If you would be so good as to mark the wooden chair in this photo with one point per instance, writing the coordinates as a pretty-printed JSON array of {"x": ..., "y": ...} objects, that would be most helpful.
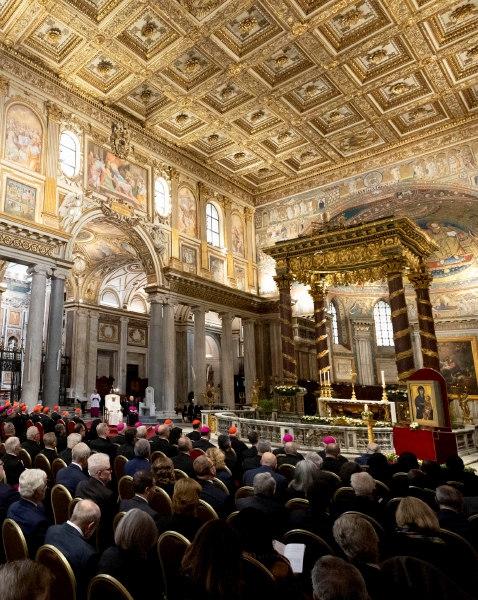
[
  {"x": 105, "y": 586},
  {"x": 71, "y": 506},
  {"x": 25, "y": 458},
  {"x": 14, "y": 542},
  {"x": 42, "y": 462},
  {"x": 227, "y": 468},
  {"x": 60, "y": 422},
  {"x": 117, "y": 519},
  {"x": 458, "y": 546},
  {"x": 456, "y": 484},
  {"x": 334, "y": 475},
  {"x": 382, "y": 489},
  {"x": 400, "y": 474},
  {"x": 315, "y": 546},
  {"x": 57, "y": 465},
  {"x": 258, "y": 581},
  {"x": 171, "y": 549},
  {"x": 125, "y": 488},
  {"x": 473, "y": 518},
  {"x": 231, "y": 517},
  {"x": 220, "y": 485},
  {"x": 375, "y": 524},
  {"x": 157, "y": 454},
  {"x": 205, "y": 512},
  {"x": 2, "y": 431},
  {"x": 287, "y": 471},
  {"x": 119, "y": 465},
  {"x": 161, "y": 502},
  {"x": 344, "y": 493},
  {"x": 180, "y": 474},
  {"x": 297, "y": 504},
  {"x": 60, "y": 502},
  {"x": 63, "y": 583},
  {"x": 71, "y": 426},
  {"x": 29, "y": 423},
  {"x": 195, "y": 452},
  {"x": 39, "y": 426},
  {"x": 244, "y": 492}
]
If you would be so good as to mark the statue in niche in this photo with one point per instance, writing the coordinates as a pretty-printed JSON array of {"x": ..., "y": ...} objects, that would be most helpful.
[{"x": 72, "y": 208}]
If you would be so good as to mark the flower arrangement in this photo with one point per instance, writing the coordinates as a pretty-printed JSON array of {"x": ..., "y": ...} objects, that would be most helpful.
[
  {"x": 289, "y": 390},
  {"x": 391, "y": 457},
  {"x": 347, "y": 421},
  {"x": 367, "y": 415},
  {"x": 414, "y": 426}
]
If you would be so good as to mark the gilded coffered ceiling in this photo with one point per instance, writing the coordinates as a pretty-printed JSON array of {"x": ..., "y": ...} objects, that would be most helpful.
[{"x": 268, "y": 93}]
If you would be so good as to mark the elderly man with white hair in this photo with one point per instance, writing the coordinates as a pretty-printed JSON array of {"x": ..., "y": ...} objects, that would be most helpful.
[
  {"x": 372, "y": 448},
  {"x": 12, "y": 466},
  {"x": 268, "y": 465},
  {"x": 33, "y": 445},
  {"x": 264, "y": 499},
  {"x": 95, "y": 489},
  {"x": 28, "y": 513},
  {"x": 364, "y": 499},
  {"x": 71, "y": 441},
  {"x": 141, "y": 432},
  {"x": 75, "y": 471}
]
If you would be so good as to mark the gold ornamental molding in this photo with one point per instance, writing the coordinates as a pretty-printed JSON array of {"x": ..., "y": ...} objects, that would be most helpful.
[
  {"x": 35, "y": 238},
  {"x": 341, "y": 255}
]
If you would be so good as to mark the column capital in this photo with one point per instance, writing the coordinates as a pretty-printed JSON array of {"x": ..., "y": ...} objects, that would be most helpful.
[
  {"x": 174, "y": 174},
  {"x": 39, "y": 269},
  {"x": 54, "y": 112},
  {"x": 318, "y": 290},
  {"x": 60, "y": 274},
  {"x": 284, "y": 281},
  {"x": 249, "y": 321},
  {"x": 197, "y": 310},
  {"x": 226, "y": 317},
  {"x": 395, "y": 264},
  {"x": 248, "y": 213},
  {"x": 96, "y": 315},
  {"x": 420, "y": 278},
  {"x": 4, "y": 86},
  {"x": 155, "y": 298},
  {"x": 124, "y": 320},
  {"x": 82, "y": 312},
  {"x": 227, "y": 203}
]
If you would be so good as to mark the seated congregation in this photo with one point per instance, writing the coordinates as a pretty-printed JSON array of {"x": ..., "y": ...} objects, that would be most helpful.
[{"x": 176, "y": 515}]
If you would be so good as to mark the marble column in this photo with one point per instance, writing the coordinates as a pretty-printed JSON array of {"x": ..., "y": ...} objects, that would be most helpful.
[
  {"x": 421, "y": 280},
  {"x": 318, "y": 291},
  {"x": 249, "y": 357},
  {"x": 227, "y": 360},
  {"x": 401, "y": 328},
  {"x": 259, "y": 340},
  {"x": 289, "y": 362},
  {"x": 363, "y": 344},
  {"x": 184, "y": 360},
  {"x": 199, "y": 359},
  {"x": 79, "y": 358},
  {"x": 276, "y": 350},
  {"x": 34, "y": 335},
  {"x": 250, "y": 242},
  {"x": 154, "y": 346},
  {"x": 123, "y": 355},
  {"x": 52, "y": 372},
  {"x": 92, "y": 352},
  {"x": 168, "y": 347}
]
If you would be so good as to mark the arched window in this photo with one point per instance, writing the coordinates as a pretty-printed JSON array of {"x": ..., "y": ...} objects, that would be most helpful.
[
  {"x": 69, "y": 154},
  {"x": 212, "y": 225},
  {"x": 335, "y": 326},
  {"x": 161, "y": 196},
  {"x": 383, "y": 324}
]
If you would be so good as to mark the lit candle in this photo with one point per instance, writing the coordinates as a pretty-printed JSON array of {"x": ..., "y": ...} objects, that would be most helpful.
[
  {"x": 383, "y": 378},
  {"x": 393, "y": 412},
  {"x": 365, "y": 408}
]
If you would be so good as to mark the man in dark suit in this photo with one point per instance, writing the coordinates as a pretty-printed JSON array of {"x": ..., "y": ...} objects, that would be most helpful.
[
  {"x": 95, "y": 489},
  {"x": 416, "y": 482},
  {"x": 183, "y": 461},
  {"x": 33, "y": 445},
  {"x": 55, "y": 415},
  {"x": 204, "y": 443},
  {"x": 224, "y": 444},
  {"x": 195, "y": 434},
  {"x": 46, "y": 421},
  {"x": 363, "y": 501},
  {"x": 371, "y": 449},
  {"x": 28, "y": 513},
  {"x": 220, "y": 500},
  {"x": 60, "y": 433},
  {"x": 236, "y": 444},
  {"x": 12, "y": 466},
  {"x": 263, "y": 499},
  {"x": 49, "y": 440},
  {"x": 74, "y": 472},
  {"x": 268, "y": 465},
  {"x": 8, "y": 495},
  {"x": 103, "y": 443},
  {"x": 119, "y": 439},
  {"x": 292, "y": 457},
  {"x": 144, "y": 487},
  {"x": 71, "y": 441},
  {"x": 141, "y": 460},
  {"x": 161, "y": 442},
  {"x": 254, "y": 461},
  {"x": 70, "y": 539},
  {"x": 127, "y": 448},
  {"x": 332, "y": 462},
  {"x": 253, "y": 438},
  {"x": 450, "y": 515}
]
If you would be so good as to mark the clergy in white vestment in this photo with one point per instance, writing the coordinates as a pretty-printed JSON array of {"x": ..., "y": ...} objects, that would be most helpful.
[{"x": 113, "y": 406}]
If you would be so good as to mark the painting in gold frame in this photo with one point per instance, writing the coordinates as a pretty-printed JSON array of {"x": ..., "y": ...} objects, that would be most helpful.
[
  {"x": 458, "y": 363},
  {"x": 425, "y": 402}
]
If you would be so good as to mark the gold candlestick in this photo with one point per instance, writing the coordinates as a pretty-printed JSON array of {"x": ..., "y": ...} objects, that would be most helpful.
[{"x": 354, "y": 397}]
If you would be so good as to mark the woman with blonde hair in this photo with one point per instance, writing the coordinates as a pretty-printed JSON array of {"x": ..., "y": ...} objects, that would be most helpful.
[
  {"x": 163, "y": 471},
  {"x": 219, "y": 461},
  {"x": 185, "y": 502}
]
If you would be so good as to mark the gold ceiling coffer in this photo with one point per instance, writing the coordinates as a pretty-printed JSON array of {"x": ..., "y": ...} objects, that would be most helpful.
[{"x": 331, "y": 255}]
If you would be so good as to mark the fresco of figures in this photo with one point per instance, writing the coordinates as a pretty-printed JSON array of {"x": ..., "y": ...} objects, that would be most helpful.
[
  {"x": 187, "y": 213},
  {"x": 112, "y": 176},
  {"x": 237, "y": 230},
  {"x": 23, "y": 137},
  {"x": 20, "y": 200}
]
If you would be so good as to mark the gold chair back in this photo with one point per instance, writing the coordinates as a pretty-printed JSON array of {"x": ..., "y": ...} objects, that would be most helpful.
[
  {"x": 63, "y": 584},
  {"x": 57, "y": 465},
  {"x": 220, "y": 485},
  {"x": 125, "y": 488},
  {"x": 14, "y": 542},
  {"x": 171, "y": 549},
  {"x": 105, "y": 586},
  {"x": 42, "y": 462},
  {"x": 157, "y": 454},
  {"x": 180, "y": 474},
  {"x": 456, "y": 484},
  {"x": 205, "y": 512},
  {"x": 230, "y": 519},
  {"x": 287, "y": 471},
  {"x": 71, "y": 506},
  {"x": 334, "y": 475},
  {"x": 119, "y": 465},
  {"x": 473, "y": 518},
  {"x": 297, "y": 504},
  {"x": 25, "y": 458},
  {"x": 376, "y": 525},
  {"x": 117, "y": 519},
  {"x": 258, "y": 581},
  {"x": 458, "y": 546},
  {"x": 161, "y": 502},
  {"x": 244, "y": 492},
  {"x": 344, "y": 493},
  {"x": 60, "y": 502}
]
